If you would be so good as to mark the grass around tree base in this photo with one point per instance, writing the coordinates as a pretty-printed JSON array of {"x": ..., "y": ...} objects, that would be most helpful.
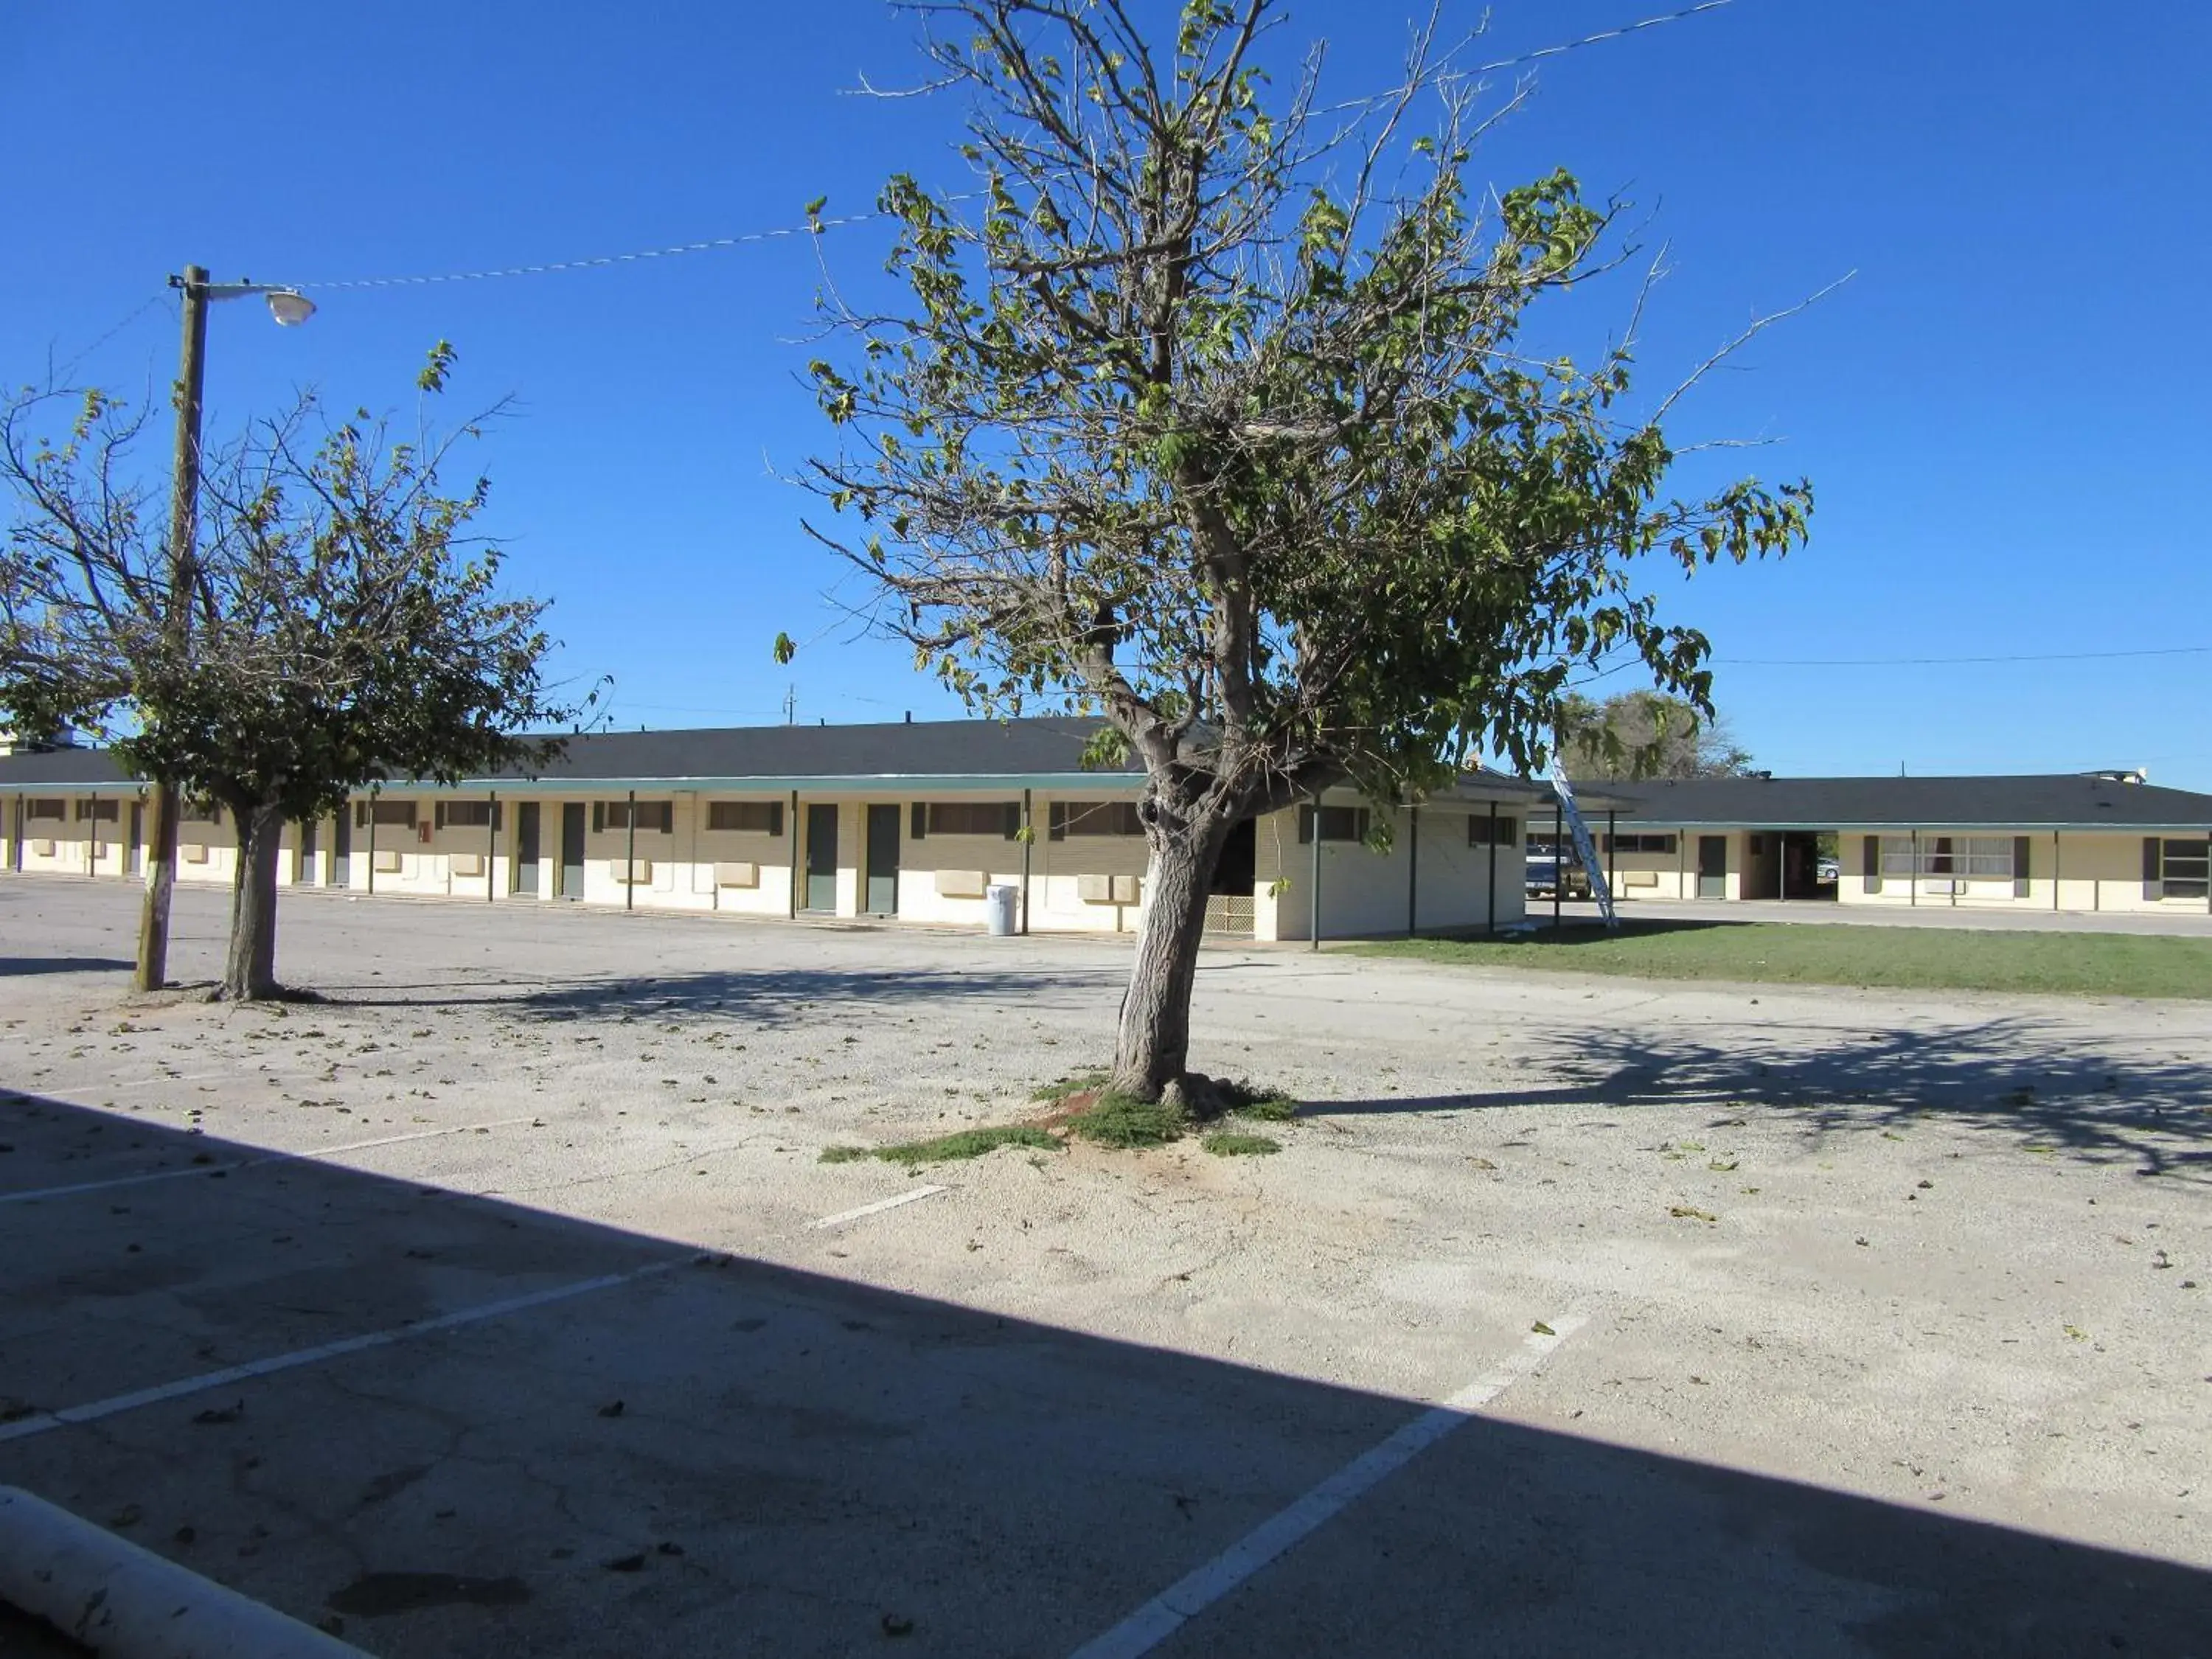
[
  {"x": 1835, "y": 953},
  {"x": 1223, "y": 1143}
]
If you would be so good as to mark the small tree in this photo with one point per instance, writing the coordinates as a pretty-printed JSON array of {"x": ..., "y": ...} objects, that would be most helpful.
[
  {"x": 1646, "y": 734},
  {"x": 342, "y": 626},
  {"x": 1209, "y": 416}
]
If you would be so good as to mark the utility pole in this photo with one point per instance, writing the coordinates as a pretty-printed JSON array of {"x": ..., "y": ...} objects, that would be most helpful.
[
  {"x": 790, "y": 704},
  {"x": 153, "y": 968}
]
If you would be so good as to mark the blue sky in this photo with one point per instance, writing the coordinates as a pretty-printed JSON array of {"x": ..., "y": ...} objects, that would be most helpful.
[{"x": 2002, "y": 412}]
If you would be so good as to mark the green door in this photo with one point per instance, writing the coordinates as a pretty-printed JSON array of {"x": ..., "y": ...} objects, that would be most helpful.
[
  {"x": 883, "y": 860},
  {"x": 822, "y": 857},
  {"x": 1712, "y": 866}
]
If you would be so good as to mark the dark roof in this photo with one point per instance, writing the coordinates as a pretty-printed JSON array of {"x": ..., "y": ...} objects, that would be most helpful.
[
  {"x": 80, "y": 768},
  {"x": 2063, "y": 801},
  {"x": 917, "y": 749}
]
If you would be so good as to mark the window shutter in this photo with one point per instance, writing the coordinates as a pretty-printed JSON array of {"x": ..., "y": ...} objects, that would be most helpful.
[
  {"x": 1013, "y": 820},
  {"x": 438, "y": 815},
  {"x": 1055, "y": 819},
  {"x": 2020, "y": 844},
  {"x": 598, "y": 817},
  {"x": 919, "y": 829},
  {"x": 498, "y": 812},
  {"x": 1305, "y": 825},
  {"x": 775, "y": 818},
  {"x": 2151, "y": 884}
]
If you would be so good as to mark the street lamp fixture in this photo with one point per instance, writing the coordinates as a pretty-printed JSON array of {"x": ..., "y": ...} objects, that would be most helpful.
[{"x": 288, "y": 305}]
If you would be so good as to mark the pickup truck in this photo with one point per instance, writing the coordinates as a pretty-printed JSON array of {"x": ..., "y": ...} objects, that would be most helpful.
[{"x": 1543, "y": 877}]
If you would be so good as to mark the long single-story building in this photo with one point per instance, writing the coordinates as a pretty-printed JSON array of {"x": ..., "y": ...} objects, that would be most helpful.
[
  {"x": 914, "y": 821},
  {"x": 2089, "y": 842}
]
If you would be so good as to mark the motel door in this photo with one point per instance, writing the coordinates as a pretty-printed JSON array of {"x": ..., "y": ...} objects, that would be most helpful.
[
  {"x": 822, "y": 857},
  {"x": 572, "y": 849},
  {"x": 1712, "y": 866},
  {"x": 134, "y": 852},
  {"x": 883, "y": 860},
  {"x": 341, "y": 848},
  {"x": 307, "y": 829},
  {"x": 525, "y": 847}
]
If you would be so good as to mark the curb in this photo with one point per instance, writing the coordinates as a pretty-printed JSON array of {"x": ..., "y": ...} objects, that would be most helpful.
[{"x": 120, "y": 1600}]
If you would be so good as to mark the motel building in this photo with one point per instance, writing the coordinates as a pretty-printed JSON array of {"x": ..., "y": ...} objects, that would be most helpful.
[
  {"x": 2088, "y": 842},
  {"x": 914, "y": 822}
]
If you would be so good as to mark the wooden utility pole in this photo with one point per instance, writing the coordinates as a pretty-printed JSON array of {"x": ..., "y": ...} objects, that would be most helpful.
[{"x": 153, "y": 968}]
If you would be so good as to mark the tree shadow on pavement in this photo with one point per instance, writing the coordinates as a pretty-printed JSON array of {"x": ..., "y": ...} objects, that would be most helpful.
[
  {"x": 2095, "y": 1101},
  {"x": 773, "y": 996}
]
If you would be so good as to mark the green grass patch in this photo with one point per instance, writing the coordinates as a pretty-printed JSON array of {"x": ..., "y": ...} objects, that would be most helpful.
[
  {"x": 1876, "y": 957},
  {"x": 1125, "y": 1122},
  {"x": 1222, "y": 1143},
  {"x": 946, "y": 1149},
  {"x": 1079, "y": 1083}
]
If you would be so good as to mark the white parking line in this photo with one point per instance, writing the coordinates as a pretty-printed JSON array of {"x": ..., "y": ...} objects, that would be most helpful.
[
  {"x": 252, "y": 1163},
  {"x": 1190, "y": 1595},
  {"x": 46, "y": 1422},
  {"x": 881, "y": 1204}
]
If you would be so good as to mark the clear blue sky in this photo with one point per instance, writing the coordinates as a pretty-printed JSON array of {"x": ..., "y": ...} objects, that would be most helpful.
[{"x": 2002, "y": 413}]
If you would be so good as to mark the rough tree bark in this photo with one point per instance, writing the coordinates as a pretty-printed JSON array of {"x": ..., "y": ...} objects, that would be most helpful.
[
  {"x": 1152, "y": 1046},
  {"x": 250, "y": 966}
]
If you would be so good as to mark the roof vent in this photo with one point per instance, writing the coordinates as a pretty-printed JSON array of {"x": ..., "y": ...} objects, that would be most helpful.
[{"x": 2120, "y": 774}]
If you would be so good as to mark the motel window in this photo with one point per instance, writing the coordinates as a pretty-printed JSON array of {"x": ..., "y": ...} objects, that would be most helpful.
[
  {"x": 388, "y": 812},
  {"x": 1959, "y": 858},
  {"x": 967, "y": 817},
  {"x": 1087, "y": 817},
  {"x": 37, "y": 808},
  {"x": 754, "y": 817},
  {"x": 1478, "y": 830},
  {"x": 1640, "y": 843},
  {"x": 1337, "y": 823},
  {"x": 468, "y": 815},
  {"x": 658, "y": 816},
  {"x": 97, "y": 812},
  {"x": 2181, "y": 868},
  {"x": 199, "y": 811}
]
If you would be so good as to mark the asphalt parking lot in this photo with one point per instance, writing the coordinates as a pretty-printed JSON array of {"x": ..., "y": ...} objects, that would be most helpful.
[{"x": 501, "y": 1304}]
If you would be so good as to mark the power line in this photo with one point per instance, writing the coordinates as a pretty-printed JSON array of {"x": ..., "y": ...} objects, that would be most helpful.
[
  {"x": 1931, "y": 662},
  {"x": 70, "y": 368},
  {"x": 600, "y": 261},
  {"x": 1606, "y": 34}
]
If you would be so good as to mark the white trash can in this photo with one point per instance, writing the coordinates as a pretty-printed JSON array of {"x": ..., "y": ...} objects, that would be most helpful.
[{"x": 998, "y": 908}]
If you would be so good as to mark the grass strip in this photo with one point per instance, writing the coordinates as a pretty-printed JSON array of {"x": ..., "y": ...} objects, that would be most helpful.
[{"x": 1873, "y": 957}]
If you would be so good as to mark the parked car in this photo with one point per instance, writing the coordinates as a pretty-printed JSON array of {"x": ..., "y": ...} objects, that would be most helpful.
[
  {"x": 1826, "y": 870},
  {"x": 1543, "y": 877}
]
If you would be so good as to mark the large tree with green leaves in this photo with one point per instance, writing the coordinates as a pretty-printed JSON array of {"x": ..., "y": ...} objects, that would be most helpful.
[
  {"x": 1204, "y": 405},
  {"x": 341, "y": 623},
  {"x": 1645, "y": 734}
]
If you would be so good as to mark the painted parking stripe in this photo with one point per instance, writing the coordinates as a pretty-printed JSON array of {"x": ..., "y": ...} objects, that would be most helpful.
[
  {"x": 252, "y": 1163},
  {"x": 46, "y": 1422},
  {"x": 1190, "y": 1595},
  {"x": 879, "y": 1205}
]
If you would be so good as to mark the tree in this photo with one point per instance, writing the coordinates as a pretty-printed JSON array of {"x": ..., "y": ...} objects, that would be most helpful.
[
  {"x": 341, "y": 625},
  {"x": 1202, "y": 409},
  {"x": 1646, "y": 734}
]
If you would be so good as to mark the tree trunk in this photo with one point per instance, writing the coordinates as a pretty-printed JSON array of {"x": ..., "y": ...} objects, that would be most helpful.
[
  {"x": 153, "y": 970},
  {"x": 250, "y": 967},
  {"x": 1153, "y": 1048}
]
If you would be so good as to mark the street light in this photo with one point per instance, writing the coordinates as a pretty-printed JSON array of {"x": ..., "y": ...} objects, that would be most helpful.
[{"x": 290, "y": 308}]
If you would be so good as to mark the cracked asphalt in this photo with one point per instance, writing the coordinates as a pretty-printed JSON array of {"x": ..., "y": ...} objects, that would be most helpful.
[{"x": 1895, "y": 1337}]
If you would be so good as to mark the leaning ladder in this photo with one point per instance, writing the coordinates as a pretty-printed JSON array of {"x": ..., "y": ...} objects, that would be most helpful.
[{"x": 1584, "y": 849}]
